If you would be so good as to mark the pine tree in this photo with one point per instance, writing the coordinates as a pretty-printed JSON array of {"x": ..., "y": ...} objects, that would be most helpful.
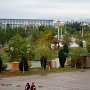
[
  {"x": 81, "y": 44},
  {"x": 65, "y": 48},
  {"x": 62, "y": 58}
]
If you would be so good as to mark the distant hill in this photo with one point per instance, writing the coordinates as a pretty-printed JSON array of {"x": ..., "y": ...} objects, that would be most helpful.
[{"x": 87, "y": 20}]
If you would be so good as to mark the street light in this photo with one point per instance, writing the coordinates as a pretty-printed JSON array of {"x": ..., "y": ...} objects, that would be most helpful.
[
  {"x": 83, "y": 25},
  {"x": 60, "y": 25},
  {"x": 83, "y": 41},
  {"x": 60, "y": 36}
]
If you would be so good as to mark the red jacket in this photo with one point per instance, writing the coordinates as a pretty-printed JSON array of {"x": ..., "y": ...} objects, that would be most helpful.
[{"x": 33, "y": 87}]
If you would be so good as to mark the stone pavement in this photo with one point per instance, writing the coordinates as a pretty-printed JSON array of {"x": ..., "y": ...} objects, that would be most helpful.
[{"x": 56, "y": 81}]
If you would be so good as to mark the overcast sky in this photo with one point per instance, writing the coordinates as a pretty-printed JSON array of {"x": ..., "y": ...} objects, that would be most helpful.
[{"x": 48, "y": 9}]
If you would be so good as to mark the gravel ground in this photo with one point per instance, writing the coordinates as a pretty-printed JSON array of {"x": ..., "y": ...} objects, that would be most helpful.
[{"x": 56, "y": 81}]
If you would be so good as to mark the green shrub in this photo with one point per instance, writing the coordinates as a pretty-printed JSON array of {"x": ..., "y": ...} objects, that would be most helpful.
[
  {"x": 62, "y": 58},
  {"x": 88, "y": 48},
  {"x": 4, "y": 66}
]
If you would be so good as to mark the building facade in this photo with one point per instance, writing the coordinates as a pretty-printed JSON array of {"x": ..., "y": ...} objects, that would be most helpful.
[{"x": 20, "y": 22}]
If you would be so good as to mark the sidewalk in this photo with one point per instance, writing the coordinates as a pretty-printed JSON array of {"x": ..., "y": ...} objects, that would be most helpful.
[{"x": 56, "y": 81}]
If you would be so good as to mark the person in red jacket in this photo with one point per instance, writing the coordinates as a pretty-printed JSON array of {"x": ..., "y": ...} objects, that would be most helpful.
[{"x": 33, "y": 87}]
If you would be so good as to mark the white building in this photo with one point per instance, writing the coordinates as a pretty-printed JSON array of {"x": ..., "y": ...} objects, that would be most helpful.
[{"x": 19, "y": 22}]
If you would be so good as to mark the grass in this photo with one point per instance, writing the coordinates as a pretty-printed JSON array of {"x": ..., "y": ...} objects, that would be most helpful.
[{"x": 36, "y": 71}]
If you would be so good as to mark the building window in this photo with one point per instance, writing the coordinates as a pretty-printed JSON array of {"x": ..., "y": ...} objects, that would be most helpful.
[
  {"x": 10, "y": 22},
  {"x": 13, "y": 22},
  {"x": 4, "y": 21}
]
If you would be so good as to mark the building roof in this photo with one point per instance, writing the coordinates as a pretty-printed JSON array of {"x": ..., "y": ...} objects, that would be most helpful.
[{"x": 25, "y": 19}]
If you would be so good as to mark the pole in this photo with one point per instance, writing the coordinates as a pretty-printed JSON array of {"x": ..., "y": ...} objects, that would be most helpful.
[
  {"x": 61, "y": 32},
  {"x": 82, "y": 31},
  {"x": 23, "y": 66},
  {"x": 17, "y": 29},
  {"x": 5, "y": 28},
  {"x": 65, "y": 29},
  {"x": 58, "y": 33}
]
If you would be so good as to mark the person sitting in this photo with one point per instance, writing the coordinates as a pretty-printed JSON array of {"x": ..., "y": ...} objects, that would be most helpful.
[
  {"x": 27, "y": 87},
  {"x": 33, "y": 87}
]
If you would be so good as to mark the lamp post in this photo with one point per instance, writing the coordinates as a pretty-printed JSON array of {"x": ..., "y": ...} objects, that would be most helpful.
[
  {"x": 60, "y": 25},
  {"x": 82, "y": 26},
  {"x": 5, "y": 33},
  {"x": 82, "y": 29},
  {"x": 82, "y": 32},
  {"x": 58, "y": 22},
  {"x": 23, "y": 67},
  {"x": 60, "y": 36}
]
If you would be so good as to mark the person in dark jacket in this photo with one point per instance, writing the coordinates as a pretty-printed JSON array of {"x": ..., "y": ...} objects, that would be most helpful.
[
  {"x": 33, "y": 87},
  {"x": 27, "y": 87}
]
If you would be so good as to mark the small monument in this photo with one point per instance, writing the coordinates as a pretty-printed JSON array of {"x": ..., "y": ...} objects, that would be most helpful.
[
  {"x": 73, "y": 43},
  {"x": 84, "y": 43}
]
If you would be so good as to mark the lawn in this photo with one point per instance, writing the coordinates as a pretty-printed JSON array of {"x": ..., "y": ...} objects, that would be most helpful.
[{"x": 36, "y": 71}]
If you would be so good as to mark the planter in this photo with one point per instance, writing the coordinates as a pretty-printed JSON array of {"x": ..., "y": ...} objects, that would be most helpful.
[
  {"x": 57, "y": 62},
  {"x": 9, "y": 66},
  {"x": 53, "y": 64},
  {"x": 68, "y": 62},
  {"x": 15, "y": 66}
]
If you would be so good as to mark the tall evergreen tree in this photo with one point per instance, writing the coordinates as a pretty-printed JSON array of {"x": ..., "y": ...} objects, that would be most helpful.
[
  {"x": 81, "y": 44},
  {"x": 65, "y": 48},
  {"x": 62, "y": 58}
]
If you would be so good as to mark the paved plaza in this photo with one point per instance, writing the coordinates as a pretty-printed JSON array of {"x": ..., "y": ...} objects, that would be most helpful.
[{"x": 56, "y": 81}]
